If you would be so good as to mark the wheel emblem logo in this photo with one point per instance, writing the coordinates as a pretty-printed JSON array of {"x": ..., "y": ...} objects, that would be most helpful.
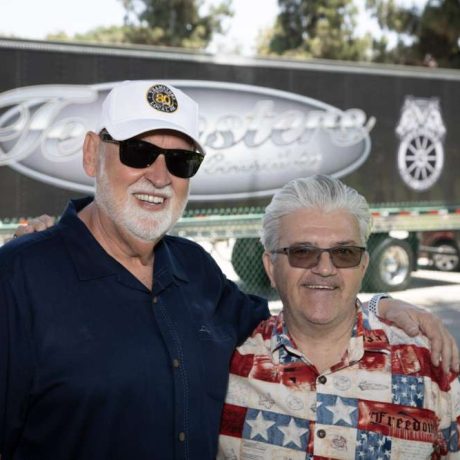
[{"x": 421, "y": 152}]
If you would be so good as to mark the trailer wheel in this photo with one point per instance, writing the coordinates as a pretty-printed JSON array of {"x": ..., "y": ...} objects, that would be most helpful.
[
  {"x": 247, "y": 263},
  {"x": 449, "y": 259},
  {"x": 390, "y": 267}
]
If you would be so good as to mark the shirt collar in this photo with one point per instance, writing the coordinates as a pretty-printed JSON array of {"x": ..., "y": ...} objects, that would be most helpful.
[
  {"x": 92, "y": 262},
  {"x": 281, "y": 341}
]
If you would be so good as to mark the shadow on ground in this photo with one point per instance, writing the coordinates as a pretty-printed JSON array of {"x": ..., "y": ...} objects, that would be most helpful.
[{"x": 418, "y": 283}]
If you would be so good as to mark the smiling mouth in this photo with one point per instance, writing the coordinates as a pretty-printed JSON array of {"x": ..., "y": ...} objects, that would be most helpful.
[
  {"x": 320, "y": 287},
  {"x": 152, "y": 199}
]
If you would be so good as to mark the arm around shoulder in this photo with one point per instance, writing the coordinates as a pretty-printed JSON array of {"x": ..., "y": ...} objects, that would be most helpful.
[{"x": 415, "y": 320}]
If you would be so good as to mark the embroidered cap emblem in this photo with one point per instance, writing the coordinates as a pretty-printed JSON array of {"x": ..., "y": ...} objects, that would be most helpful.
[{"x": 161, "y": 98}]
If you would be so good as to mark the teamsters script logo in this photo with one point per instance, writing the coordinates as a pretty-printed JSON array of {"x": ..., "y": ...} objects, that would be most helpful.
[{"x": 256, "y": 138}]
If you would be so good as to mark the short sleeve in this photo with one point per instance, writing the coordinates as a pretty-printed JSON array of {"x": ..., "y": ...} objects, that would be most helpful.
[{"x": 246, "y": 310}]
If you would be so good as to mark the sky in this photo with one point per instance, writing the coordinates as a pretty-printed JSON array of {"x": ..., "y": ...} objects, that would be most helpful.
[{"x": 36, "y": 18}]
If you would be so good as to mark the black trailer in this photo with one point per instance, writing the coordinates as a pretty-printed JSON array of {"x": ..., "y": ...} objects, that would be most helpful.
[{"x": 391, "y": 132}]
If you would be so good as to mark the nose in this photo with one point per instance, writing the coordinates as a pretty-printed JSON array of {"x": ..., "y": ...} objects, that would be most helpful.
[
  {"x": 157, "y": 173},
  {"x": 324, "y": 267}
]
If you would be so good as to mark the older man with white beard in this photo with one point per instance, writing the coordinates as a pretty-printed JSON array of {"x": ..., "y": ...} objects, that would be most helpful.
[
  {"x": 121, "y": 206},
  {"x": 115, "y": 339}
]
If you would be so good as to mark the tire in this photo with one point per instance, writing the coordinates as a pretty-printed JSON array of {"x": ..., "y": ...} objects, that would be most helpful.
[
  {"x": 390, "y": 267},
  {"x": 450, "y": 260},
  {"x": 247, "y": 263}
]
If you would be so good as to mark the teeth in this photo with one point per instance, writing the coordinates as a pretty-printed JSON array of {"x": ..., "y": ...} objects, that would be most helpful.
[
  {"x": 149, "y": 198},
  {"x": 318, "y": 286}
]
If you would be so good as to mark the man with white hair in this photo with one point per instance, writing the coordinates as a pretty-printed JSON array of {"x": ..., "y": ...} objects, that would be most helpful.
[
  {"x": 115, "y": 338},
  {"x": 325, "y": 378}
]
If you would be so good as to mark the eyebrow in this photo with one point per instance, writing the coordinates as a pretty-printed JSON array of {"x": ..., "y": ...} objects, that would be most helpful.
[{"x": 337, "y": 243}]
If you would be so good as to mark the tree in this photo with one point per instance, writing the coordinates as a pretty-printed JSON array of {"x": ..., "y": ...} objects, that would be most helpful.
[
  {"x": 314, "y": 28},
  {"x": 175, "y": 22},
  {"x": 425, "y": 36},
  {"x": 111, "y": 34},
  {"x": 179, "y": 23}
]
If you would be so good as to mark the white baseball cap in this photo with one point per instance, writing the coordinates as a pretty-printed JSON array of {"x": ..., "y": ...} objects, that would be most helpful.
[{"x": 135, "y": 107}]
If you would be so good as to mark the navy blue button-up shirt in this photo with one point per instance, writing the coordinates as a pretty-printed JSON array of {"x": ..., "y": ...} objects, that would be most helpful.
[{"x": 94, "y": 366}]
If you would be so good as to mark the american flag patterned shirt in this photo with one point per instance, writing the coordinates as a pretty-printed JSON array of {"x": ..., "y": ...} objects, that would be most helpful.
[{"x": 384, "y": 400}]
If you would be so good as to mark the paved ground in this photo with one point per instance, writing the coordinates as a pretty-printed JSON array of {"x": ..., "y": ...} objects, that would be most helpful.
[
  {"x": 440, "y": 293},
  {"x": 437, "y": 291}
]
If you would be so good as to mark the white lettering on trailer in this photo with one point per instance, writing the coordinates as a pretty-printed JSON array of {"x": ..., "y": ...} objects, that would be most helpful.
[{"x": 256, "y": 138}]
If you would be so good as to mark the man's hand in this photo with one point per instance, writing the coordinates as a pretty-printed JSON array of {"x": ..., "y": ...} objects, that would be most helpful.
[
  {"x": 35, "y": 225},
  {"x": 414, "y": 320}
]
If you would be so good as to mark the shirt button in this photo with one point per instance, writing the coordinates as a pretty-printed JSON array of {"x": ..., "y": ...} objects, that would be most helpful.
[
  {"x": 322, "y": 379},
  {"x": 181, "y": 436},
  {"x": 176, "y": 363},
  {"x": 321, "y": 434},
  {"x": 155, "y": 299}
]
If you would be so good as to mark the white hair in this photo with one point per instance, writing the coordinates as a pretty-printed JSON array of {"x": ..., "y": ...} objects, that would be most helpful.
[{"x": 316, "y": 192}]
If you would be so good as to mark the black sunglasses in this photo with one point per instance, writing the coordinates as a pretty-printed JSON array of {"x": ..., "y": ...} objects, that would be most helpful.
[
  {"x": 306, "y": 256},
  {"x": 136, "y": 153}
]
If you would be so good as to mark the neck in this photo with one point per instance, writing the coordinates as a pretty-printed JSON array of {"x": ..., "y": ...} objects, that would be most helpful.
[
  {"x": 134, "y": 254},
  {"x": 323, "y": 344}
]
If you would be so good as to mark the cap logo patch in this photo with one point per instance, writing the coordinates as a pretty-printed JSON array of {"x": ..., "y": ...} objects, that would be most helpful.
[{"x": 161, "y": 98}]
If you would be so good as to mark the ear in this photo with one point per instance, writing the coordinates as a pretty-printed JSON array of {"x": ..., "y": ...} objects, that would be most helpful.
[
  {"x": 91, "y": 153},
  {"x": 269, "y": 269}
]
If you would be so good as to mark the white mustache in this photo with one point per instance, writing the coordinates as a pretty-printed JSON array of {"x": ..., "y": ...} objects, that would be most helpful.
[{"x": 145, "y": 187}]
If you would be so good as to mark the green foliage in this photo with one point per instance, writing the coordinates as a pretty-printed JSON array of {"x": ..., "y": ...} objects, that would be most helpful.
[
  {"x": 427, "y": 36},
  {"x": 178, "y": 23},
  {"x": 409, "y": 34},
  {"x": 303, "y": 29},
  {"x": 314, "y": 28},
  {"x": 111, "y": 34}
]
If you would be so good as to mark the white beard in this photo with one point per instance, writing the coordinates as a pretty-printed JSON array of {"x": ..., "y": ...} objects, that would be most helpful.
[{"x": 145, "y": 225}]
